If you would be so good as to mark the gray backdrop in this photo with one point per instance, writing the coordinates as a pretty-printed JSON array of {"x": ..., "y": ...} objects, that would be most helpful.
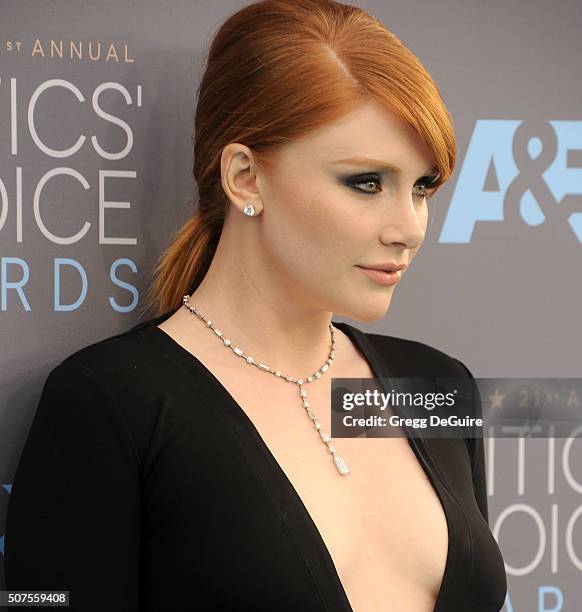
[{"x": 496, "y": 284}]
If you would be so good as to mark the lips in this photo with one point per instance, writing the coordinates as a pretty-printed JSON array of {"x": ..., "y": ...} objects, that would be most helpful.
[
  {"x": 382, "y": 277},
  {"x": 388, "y": 267}
]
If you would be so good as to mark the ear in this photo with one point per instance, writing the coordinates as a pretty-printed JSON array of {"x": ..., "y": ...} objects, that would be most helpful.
[{"x": 238, "y": 176}]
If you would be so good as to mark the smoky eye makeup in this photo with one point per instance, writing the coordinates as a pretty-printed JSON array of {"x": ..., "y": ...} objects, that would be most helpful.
[
  {"x": 354, "y": 180},
  {"x": 429, "y": 181},
  {"x": 369, "y": 179}
]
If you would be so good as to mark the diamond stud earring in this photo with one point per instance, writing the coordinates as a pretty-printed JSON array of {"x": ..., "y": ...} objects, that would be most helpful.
[{"x": 249, "y": 210}]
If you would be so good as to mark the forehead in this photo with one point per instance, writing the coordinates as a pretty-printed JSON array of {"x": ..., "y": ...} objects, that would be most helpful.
[{"x": 369, "y": 131}]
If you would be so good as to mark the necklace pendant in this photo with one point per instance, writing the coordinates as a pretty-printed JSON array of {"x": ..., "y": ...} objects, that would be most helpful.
[
  {"x": 339, "y": 462},
  {"x": 341, "y": 465}
]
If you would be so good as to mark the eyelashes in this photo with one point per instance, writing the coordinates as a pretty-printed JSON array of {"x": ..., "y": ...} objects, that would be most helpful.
[{"x": 426, "y": 183}]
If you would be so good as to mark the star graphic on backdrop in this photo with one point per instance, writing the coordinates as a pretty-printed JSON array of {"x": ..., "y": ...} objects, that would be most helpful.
[{"x": 495, "y": 399}]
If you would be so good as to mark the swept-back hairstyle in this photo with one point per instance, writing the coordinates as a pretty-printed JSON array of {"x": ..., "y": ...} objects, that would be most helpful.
[{"x": 276, "y": 70}]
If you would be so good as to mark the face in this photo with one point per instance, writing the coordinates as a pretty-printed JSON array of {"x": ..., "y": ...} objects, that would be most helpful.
[{"x": 325, "y": 215}]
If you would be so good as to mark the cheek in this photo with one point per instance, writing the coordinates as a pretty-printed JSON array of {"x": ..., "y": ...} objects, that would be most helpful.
[
  {"x": 310, "y": 242},
  {"x": 316, "y": 230},
  {"x": 424, "y": 224},
  {"x": 423, "y": 221},
  {"x": 310, "y": 230},
  {"x": 423, "y": 216},
  {"x": 332, "y": 228}
]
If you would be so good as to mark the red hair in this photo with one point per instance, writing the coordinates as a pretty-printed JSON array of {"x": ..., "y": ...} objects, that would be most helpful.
[{"x": 276, "y": 70}]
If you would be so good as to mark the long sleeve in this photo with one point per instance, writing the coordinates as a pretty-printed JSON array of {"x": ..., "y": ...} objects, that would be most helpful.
[
  {"x": 477, "y": 453},
  {"x": 73, "y": 517}
]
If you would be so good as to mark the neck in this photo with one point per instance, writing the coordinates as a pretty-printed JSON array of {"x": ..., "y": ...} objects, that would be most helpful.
[{"x": 264, "y": 317}]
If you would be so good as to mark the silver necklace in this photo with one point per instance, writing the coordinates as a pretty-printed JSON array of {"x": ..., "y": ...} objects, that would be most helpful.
[{"x": 339, "y": 462}]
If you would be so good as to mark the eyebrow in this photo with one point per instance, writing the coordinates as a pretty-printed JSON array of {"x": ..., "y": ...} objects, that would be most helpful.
[{"x": 368, "y": 161}]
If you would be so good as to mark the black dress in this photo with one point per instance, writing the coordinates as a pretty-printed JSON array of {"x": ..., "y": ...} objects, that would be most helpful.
[{"x": 143, "y": 486}]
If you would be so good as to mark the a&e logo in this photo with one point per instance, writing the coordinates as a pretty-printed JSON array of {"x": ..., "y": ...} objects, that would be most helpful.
[{"x": 521, "y": 172}]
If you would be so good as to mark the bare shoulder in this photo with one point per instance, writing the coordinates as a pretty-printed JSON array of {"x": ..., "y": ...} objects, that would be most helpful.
[
  {"x": 195, "y": 337},
  {"x": 183, "y": 329}
]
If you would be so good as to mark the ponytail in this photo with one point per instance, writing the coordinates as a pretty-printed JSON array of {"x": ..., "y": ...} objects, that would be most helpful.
[{"x": 182, "y": 266}]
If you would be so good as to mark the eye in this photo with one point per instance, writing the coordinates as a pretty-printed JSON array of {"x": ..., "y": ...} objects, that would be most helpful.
[
  {"x": 370, "y": 180},
  {"x": 427, "y": 184},
  {"x": 424, "y": 184},
  {"x": 423, "y": 190}
]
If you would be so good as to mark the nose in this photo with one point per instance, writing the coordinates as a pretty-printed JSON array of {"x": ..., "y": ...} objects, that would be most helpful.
[{"x": 405, "y": 221}]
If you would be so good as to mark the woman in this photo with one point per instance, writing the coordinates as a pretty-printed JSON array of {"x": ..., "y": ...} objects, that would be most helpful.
[{"x": 168, "y": 467}]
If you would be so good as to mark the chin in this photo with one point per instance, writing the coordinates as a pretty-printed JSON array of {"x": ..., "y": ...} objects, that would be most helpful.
[
  {"x": 367, "y": 312},
  {"x": 371, "y": 319}
]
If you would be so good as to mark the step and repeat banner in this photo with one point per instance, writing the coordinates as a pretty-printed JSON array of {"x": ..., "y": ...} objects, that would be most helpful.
[{"x": 96, "y": 116}]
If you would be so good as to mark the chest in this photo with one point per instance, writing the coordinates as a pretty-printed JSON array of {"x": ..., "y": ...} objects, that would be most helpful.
[{"x": 383, "y": 524}]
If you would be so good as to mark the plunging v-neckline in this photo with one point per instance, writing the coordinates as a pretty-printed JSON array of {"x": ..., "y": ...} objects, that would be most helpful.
[{"x": 282, "y": 484}]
